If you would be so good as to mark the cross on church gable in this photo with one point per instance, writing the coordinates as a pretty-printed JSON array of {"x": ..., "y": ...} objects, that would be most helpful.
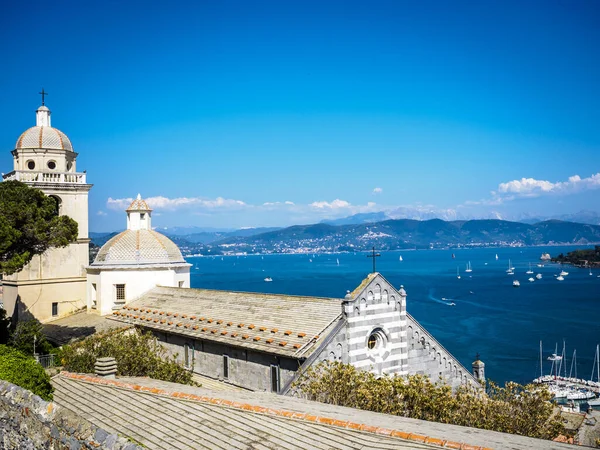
[{"x": 374, "y": 255}]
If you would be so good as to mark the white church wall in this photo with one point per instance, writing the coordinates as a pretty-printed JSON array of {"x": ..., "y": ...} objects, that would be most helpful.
[{"x": 136, "y": 283}]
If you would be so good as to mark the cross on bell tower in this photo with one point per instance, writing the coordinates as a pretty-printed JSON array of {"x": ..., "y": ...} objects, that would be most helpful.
[
  {"x": 43, "y": 93},
  {"x": 374, "y": 255}
]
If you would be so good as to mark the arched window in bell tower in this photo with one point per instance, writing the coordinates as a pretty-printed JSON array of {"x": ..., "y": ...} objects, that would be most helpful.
[{"x": 57, "y": 203}]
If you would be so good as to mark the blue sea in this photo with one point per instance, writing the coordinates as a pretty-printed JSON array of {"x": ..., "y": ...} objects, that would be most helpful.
[{"x": 502, "y": 323}]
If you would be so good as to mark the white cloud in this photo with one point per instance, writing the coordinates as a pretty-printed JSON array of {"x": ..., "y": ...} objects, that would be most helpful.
[
  {"x": 530, "y": 187},
  {"x": 101, "y": 213},
  {"x": 377, "y": 190},
  {"x": 336, "y": 204},
  {"x": 173, "y": 204}
]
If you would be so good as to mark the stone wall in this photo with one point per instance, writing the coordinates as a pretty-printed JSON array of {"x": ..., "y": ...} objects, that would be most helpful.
[
  {"x": 428, "y": 357},
  {"x": 27, "y": 422},
  {"x": 247, "y": 368}
]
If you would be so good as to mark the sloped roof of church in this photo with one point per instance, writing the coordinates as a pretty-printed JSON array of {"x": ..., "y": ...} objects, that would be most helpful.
[
  {"x": 138, "y": 247},
  {"x": 287, "y": 325}
]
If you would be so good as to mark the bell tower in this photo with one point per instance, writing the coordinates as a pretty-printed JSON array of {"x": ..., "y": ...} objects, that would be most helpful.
[{"x": 52, "y": 284}]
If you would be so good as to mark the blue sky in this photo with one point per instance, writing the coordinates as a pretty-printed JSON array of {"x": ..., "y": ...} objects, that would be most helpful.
[{"x": 237, "y": 113}]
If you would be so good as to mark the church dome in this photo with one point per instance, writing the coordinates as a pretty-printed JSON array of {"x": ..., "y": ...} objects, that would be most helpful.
[
  {"x": 44, "y": 137},
  {"x": 139, "y": 247}
]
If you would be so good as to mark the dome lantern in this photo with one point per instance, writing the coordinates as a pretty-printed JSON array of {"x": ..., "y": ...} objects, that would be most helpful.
[{"x": 139, "y": 215}]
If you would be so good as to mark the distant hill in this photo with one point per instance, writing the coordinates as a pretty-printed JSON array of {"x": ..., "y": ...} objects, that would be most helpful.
[
  {"x": 424, "y": 213},
  {"x": 406, "y": 233}
]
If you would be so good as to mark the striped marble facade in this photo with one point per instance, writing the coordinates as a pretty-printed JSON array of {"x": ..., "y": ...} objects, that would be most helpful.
[{"x": 377, "y": 311}]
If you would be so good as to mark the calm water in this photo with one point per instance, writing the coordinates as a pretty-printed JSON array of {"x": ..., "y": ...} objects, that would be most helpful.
[{"x": 503, "y": 323}]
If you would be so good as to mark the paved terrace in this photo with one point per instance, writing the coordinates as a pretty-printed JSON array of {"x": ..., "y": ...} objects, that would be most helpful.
[
  {"x": 163, "y": 415},
  {"x": 77, "y": 326}
]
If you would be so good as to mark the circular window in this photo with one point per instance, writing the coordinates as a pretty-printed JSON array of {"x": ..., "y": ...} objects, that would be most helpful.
[
  {"x": 30, "y": 165},
  {"x": 377, "y": 345},
  {"x": 373, "y": 341},
  {"x": 51, "y": 165}
]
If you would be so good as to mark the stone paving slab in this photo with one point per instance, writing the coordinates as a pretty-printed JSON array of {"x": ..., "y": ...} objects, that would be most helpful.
[{"x": 77, "y": 326}]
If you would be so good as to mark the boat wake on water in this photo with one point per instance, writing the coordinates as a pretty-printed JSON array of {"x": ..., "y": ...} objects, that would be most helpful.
[{"x": 443, "y": 300}]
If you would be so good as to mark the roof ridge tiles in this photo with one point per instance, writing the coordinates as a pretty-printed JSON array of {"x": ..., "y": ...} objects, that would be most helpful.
[{"x": 329, "y": 421}]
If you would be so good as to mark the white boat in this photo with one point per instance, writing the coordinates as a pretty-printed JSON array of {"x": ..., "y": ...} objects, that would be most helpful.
[
  {"x": 468, "y": 269},
  {"x": 457, "y": 273},
  {"x": 268, "y": 279},
  {"x": 496, "y": 256},
  {"x": 540, "y": 265},
  {"x": 451, "y": 304},
  {"x": 531, "y": 279},
  {"x": 563, "y": 273},
  {"x": 529, "y": 271},
  {"x": 560, "y": 278},
  {"x": 338, "y": 261},
  {"x": 400, "y": 259},
  {"x": 516, "y": 283},
  {"x": 580, "y": 394},
  {"x": 545, "y": 257},
  {"x": 590, "y": 271},
  {"x": 310, "y": 260},
  {"x": 510, "y": 269},
  {"x": 539, "y": 276}
]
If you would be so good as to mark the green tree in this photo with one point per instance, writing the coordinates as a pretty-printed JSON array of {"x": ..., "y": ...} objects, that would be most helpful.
[
  {"x": 26, "y": 333},
  {"x": 29, "y": 225},
  {"x": 137, "y": 354},
  {"x": 24, "y": 371}
]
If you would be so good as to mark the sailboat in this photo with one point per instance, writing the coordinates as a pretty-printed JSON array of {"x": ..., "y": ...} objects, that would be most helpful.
[
  {"x": 400, "y": 259},
  {"x": 510, "y": 269},
  {"x": 468, "y": 269},
  {"x": 457, "y": 273},
  {"x": 591, "y": 272},
  {"x": 338, "y": 261},
  {"x": 529, "y": 271},
  {"x": 496, "y": 256}
]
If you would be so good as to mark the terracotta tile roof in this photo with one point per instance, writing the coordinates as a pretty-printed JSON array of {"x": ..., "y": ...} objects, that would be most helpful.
[
  {"x": 146, "y": 414},
  {"x": 294, "y": 323}
]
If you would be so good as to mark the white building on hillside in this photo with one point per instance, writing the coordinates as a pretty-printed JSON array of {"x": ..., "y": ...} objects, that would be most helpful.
[{"x": 133, "y": 262}]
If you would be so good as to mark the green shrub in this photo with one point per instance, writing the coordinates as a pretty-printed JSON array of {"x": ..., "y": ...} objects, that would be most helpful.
[
  {"x": 24, "y": 371},
  {"x": 26, "y": 333},
  {"x": 137, "y": 354},
  {"x": 517, "y": 409}
]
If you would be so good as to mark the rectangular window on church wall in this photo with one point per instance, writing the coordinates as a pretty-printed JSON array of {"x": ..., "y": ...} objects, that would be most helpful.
[
  {"x": 181, "y": 284},
  {"x": 55, "y": 309},
  {"x": 274, "y": 378},
  {"x": 225, "y": 366},
  {"x": 120, "y": 291}
]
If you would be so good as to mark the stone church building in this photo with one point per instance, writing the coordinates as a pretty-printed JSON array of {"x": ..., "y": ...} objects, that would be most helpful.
[
  {"x": 264, "y": 341},
  {"x": 52, "y": 284}
]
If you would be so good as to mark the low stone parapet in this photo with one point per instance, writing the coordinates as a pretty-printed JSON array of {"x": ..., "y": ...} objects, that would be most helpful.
[{"x": 28, "y": 422}]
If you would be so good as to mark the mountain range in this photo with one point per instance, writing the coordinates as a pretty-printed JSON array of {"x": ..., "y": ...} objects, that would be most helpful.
[
  {"x": 384, "y": 235},
  {"x": 427, "y": 213}
]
